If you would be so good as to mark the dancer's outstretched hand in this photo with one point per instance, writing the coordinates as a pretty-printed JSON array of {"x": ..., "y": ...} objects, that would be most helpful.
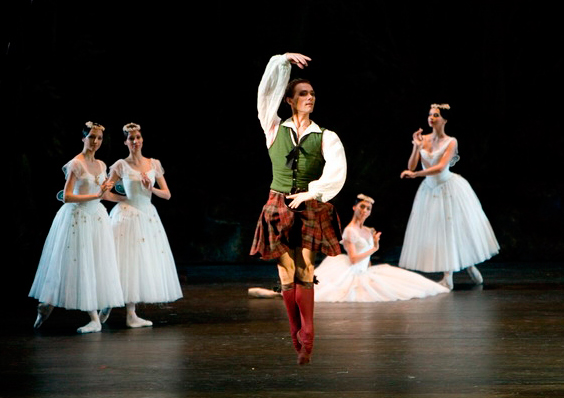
[
  {"x": 298, "y": 59},
  {"x": 298, "y": 198}
]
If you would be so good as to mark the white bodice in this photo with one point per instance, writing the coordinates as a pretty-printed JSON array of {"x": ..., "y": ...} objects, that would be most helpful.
[
  {"x": 362, "y": 241},
  {"x": 86, "y": 183},
  {"x": 429, "y": 159},
  {"x": 132, "y": 181}
]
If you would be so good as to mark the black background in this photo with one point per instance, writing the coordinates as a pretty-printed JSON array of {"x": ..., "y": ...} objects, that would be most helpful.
[{"x": 188, "y": 74}]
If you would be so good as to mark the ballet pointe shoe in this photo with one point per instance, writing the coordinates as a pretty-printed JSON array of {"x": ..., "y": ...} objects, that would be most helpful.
[
  {"x": 43, "y": 312},
  {"x": 259, "y": 292},
  {"x": 447, "y": 281},
  {"x": 90, "y": 327},
  {"x": 93, "y": 326},
  {"x": 133, "y": 321},
  {"x": 104, "y": 314},
  {"x": 304, "y": 355},
  {"x": 305, "y": 301},
  {"x": 289, "y": 297},
  {"x": 475, "y": 275}
]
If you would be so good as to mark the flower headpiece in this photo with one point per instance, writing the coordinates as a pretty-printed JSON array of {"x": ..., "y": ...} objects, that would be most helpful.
[
  {"x": 92, "y": 125},
  {"x": 129, "y": 127},
  {"x": 441, "y": 106},
  {"x": 365, "y": 198}
]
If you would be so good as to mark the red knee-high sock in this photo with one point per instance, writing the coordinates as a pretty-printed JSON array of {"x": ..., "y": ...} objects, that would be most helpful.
[
  {"x": 289, "y": 296},
  {"x": 304, "y": 299}
]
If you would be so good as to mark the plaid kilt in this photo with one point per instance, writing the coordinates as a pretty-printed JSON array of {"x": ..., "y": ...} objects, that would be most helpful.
[{"x": 280, "y": 229}]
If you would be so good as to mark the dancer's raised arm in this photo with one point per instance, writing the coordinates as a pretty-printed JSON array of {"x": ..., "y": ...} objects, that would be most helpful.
[{"x": 272, "y": 88}]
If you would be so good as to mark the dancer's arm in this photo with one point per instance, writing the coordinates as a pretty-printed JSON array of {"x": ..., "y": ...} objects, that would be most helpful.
[
  {"x": 357, "y": 257},
  {"x": 436, "y": 169},
  {"x": 335, "y": 170},
  {"x": 70, "y": 197},
  {"x": 334, "y": 173},
  {"x": 110, "y": 196},
  {"x": 271, "y": 90},
  {"x": 417, "y": 144},
  {"x": 162, "y": 191}
]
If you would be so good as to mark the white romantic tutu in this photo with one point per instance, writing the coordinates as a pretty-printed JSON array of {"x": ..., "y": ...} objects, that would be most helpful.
[
  {"x": 146, "y": 264},
  {"x": 341, "y": 281},
  {"x": 78, "y": 269},
  {"x": 447, "y": 229}
]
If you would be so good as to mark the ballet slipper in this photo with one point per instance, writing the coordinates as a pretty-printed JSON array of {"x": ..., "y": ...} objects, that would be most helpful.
[
  {"x": 289, "y": 297},
  {"x": 259, "y": 292},
  {"x": 305, "y": 301},
  {"x": 133, "y": 321},
  {"x": 447, "y": 281},
  {"x": 304, "y": 357},
  {"x": 43, "y": 312},
  {"x": 475, "y": 275},
  {"x": 104, "y": 314},
  {"x": 90, "y": 327}
]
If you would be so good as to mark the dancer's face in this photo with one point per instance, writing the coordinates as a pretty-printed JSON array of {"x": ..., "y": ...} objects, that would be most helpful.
[
  {"x": 134, "y": 141},
  {"x": 435, "y": 119},
  {"x": 93, "y": 140},
  {"x": 303, "y": 100},
  {"x": 362, "y": 210}
]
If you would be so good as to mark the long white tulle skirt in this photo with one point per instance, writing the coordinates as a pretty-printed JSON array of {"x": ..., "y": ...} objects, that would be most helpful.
[
  {"x": 78, "y": 268},
  {"x": 147, "y": 269},
  {"x": 447, "y": 229},
  {"x": 339, "y": 281}
]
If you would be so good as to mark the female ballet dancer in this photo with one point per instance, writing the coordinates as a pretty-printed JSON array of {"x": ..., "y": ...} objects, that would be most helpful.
[
  {"x": 146, "y": 265},
  {"x": 78, "y": 268},
  {"x": 447, "y": 230},
  {"x": 350, "y": 278}
]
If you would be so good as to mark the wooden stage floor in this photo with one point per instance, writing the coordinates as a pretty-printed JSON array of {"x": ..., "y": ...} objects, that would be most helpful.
[{"x": 503, "y": 340}]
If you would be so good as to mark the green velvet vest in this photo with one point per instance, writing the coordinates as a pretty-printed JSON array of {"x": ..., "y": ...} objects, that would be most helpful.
[{"x": 307, "y": 167}]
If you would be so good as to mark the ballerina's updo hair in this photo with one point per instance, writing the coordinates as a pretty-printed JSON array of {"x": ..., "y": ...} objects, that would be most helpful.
[
  {"x": 129, "y": 127},
  {"x": 363, "y": 198},
  {"x": 88, "y": 126},
  {"x": 444, "y": 109}
]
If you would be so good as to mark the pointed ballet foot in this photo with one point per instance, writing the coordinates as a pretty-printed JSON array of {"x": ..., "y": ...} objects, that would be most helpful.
[
  {"x": 43, "y": 312},
  {"x": 296, "y": 343},
  {"x": 259, "y": 292},
  {"x": 104, "y": 314},
  {"x": 136, "y": 322},
  {"x": 304, "y": 357},
  {"x": 475, "y": 275},
  {"x": 90, "y": 327},
  {"x": 446, "y": 284}
]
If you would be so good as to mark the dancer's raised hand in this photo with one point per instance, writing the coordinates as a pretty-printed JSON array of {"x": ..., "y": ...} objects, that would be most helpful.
[{"x": 298, "y": 59}]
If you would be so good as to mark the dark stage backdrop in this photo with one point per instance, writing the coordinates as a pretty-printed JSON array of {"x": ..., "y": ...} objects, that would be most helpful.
[{"x": 189, "y": 73}]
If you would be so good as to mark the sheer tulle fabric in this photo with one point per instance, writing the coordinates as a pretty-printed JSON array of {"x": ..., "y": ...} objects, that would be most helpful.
[
  {"x": 341, "y": 281},
  {"x": 447, "y": 229},
  {"x": 77, "y": 268},
  {"x": 146, "y": 264}
]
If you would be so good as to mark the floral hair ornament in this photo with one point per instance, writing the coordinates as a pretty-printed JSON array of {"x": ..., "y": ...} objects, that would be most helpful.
[
  {"x": 129, "y": 127},
  {"x": 92, "y": 125},
  {"x": 362, "y": 197},
  {"x": 441, "y": 106}
]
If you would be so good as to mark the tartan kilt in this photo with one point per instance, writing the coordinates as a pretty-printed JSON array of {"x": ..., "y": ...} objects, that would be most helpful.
[{"x": 280, "y": 229}]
